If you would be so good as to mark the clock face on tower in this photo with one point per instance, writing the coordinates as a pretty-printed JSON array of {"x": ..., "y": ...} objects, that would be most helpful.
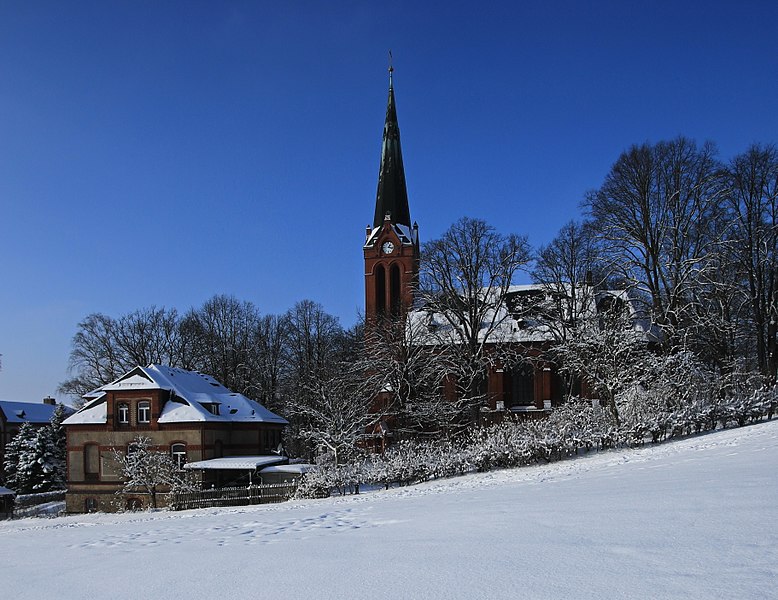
[{"x": 387, "y": 248}]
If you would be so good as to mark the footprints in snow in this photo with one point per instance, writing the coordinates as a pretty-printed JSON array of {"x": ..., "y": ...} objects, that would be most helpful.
[{"x": 255, "y": 532}]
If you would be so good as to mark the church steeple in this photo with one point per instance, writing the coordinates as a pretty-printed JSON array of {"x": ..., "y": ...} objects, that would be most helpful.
[
  {"x": 392, "y": 196},
  {"x": 392, "y": 244}
]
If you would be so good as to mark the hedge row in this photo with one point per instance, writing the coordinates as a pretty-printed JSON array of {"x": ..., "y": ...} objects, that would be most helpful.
[{"x": 571, "y": 429}]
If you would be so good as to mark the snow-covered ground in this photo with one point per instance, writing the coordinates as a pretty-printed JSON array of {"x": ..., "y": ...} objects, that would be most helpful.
[{"x": 696, "y": 518}]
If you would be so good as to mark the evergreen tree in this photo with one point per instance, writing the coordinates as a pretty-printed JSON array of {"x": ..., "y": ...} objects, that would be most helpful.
[
  {"x": 59, "y": 447},
  {"x": 39, "y": 463},
  {"x": 35, "y": 458},
  {"x": 19, "y": 455}
]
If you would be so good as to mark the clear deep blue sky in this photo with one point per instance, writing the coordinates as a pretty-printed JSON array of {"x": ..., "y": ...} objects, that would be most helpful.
[{"x": 158, "y": 153}]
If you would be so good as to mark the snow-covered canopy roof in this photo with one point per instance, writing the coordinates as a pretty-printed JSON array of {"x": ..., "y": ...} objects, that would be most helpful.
[
  {"x": 235, "y": 463},
  {"x": 517, "y": 319},
  {"x": 4, "y": 491},
  {"x": 193, "y": 398},
  {"x": 26, "y": 412},
  {"x": 296, "y": 469}
]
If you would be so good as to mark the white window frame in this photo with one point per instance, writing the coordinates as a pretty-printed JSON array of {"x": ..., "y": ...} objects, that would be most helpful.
[
  {"x": 123, "y": 413},
  {"x": 144, "y": 412},
  {"x": 178, "y": 453}
]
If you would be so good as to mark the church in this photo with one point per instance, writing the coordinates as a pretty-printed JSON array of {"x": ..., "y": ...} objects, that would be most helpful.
[
  {"x": 392, "y": 258},
  {"x": 530, "y": 385}
]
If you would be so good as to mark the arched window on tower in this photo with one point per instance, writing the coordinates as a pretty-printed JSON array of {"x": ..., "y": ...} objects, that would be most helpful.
[
  {"x": 394, "y": 289},
  {"x": 380, "y": 290}
]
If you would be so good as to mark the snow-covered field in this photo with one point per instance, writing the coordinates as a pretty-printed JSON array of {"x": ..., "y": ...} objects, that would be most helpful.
[{"x": 696, "y": 518}]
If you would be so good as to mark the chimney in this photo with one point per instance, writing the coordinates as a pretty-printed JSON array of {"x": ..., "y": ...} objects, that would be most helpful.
[{"x": 49, "y": 400}]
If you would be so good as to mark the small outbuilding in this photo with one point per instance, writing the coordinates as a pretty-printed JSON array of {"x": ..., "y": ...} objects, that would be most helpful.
[
  {"x": 278, "y": 474},
  {"x": 7, "y": 501}
]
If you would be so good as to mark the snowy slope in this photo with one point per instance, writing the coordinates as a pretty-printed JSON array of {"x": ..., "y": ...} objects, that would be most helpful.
[{"x": 696, "y": 518}]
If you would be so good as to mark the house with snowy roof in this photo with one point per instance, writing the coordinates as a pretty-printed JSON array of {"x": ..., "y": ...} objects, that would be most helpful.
[
  {"x": 14, "y": 414},
  {"x": 186, "y": 413}
]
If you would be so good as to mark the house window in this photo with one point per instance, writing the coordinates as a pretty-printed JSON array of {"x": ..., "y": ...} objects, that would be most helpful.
[
  {"x": 91, "y": 462},
  {"x": 123, "y": 413},
  {"x": 90, "y": 505},
  {"x": 178, "y": 452},
  {"x": 144, "y": 411}
]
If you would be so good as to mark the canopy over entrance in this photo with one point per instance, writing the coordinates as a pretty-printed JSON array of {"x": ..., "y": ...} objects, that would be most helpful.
[{"x": 236, "y": 463}]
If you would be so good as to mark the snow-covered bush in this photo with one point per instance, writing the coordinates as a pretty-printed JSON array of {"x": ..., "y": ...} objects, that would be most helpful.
[
  {"x": 320, "y": 481},
  {"x": 316, "y": 483},
  {"x": 577, "y": 426}
]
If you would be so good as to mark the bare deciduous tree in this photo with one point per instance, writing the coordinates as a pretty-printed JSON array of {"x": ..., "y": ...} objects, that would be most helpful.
[
  {"x": 148, "y": 471},
  {"x": 407, "y": 374},
  {"x": 315, "y": 339},
  {"x": 570, "y": 268},
  {"x": 753, "y": 213},
  {"x": 270, "y": 343},
  {"x": 464, "y": 278},
  {"x": 337, "y": 411},
  {"x": 95, "y": 357},
  {"x": 607, "y": 351},
  {"x": 223, "y": 332},
  {"x": 656, "y": 209}
]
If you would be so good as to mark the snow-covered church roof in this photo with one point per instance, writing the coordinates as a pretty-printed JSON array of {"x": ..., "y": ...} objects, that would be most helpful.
[
  {"x": 522, "y": 316},
  {"x": 193, "y": 398},
  {"x": 406, "y": 235}
]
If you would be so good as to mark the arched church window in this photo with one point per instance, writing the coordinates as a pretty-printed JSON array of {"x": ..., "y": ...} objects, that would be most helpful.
[
  {"x": 522, "y": 386},
  {"x": 394, "y": 289},
  {"x": 380, "y": 290}
]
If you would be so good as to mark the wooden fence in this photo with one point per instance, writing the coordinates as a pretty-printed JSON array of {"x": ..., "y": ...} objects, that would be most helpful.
[{"x": 233, "y": 496}]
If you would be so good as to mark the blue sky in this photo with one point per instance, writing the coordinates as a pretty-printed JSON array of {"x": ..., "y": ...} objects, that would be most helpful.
[{"x": 158, "y": 153}]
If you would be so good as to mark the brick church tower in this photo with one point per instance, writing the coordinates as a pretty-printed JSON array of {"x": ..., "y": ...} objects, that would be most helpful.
[{"x": 392, "y": 244}]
